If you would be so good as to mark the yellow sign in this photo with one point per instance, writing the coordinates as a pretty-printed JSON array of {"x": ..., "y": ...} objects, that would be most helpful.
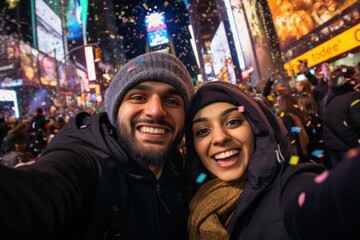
[{"x": 339, "y": 44}]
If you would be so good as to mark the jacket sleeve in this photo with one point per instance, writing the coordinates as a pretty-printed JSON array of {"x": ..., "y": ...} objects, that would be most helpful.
[
  {"x": 355, "y": 112},
  {"x": 46, "y": 199},
  {"x": 328, "y": 208}
]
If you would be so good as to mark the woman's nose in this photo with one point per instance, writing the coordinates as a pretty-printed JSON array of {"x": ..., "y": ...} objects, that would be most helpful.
[{"x": 220, "y": 135}]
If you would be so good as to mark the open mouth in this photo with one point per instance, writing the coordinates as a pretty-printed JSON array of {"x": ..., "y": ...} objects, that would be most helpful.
[
  {"x": 152, "y": 130},
  {"x": 226, "y": 154}
]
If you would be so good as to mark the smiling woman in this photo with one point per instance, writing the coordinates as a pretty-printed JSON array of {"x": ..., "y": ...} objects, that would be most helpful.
[{"x": 251, "y": 191}]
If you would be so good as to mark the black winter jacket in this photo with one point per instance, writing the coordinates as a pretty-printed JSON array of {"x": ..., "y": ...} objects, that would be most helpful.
[
  {"x": 85, "y": 186},
  {"x": 340, "y": 112},
  {"x": 269, "y": 207}
]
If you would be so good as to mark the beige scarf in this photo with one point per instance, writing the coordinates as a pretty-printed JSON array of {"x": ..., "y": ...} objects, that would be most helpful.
[{"x": 211, "y": 207}]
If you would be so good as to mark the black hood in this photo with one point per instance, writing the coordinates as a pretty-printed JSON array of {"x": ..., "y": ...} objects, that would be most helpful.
[
  {"x": 95, "y": 132},
  {"x": 272, "y": 142}
]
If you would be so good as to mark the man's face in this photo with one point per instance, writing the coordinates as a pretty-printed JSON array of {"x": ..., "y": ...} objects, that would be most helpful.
[{"x": 150, "y": 121}]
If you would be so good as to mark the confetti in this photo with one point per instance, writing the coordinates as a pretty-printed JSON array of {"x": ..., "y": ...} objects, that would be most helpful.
[
  {"x": 345, "y": 123},
  {"x": 354, "y": 102},
  {"x": 296, "y": 129},
  {"x": 201, "y": 178},
  {"x": 294, "y": 160},
  {"x": 241, "y": 109},
  {"x": 132, "y": 68},
  {"x": 301, "y": 199},
  {"x": 321, "y": 178},
  {"x": 282, "y": 114},
  {"x": 318, "y": 153},
  {"x": 140, "y": 60}
]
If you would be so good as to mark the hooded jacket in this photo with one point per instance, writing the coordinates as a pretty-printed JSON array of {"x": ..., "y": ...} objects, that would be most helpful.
[
  {"x": 340, "y": 111},
  {"x": 273, "y": 184},
  {"x": 85, "y": 186}
]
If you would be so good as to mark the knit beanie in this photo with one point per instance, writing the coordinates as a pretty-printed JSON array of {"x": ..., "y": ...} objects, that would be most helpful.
[{"x": 153, "y": 66}]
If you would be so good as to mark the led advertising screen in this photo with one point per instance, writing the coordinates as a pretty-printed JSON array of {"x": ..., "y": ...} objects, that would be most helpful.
[
  {"x": 8, "y": 104},
  {"x": 9, "y": 61},
  {"x": 156, "y": 29},
  {"x": 49, "y": 29},
  {"x": 76, "y": 18},
  {"x": 295, "y": 19},
  {"x": 29, "y": 64},
  {"x": 220, "y": 51},
  {"x": 51, "y": 71}
]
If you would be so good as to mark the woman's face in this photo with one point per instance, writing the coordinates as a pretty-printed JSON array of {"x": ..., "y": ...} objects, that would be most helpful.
[{"x": 223, "y": 139}]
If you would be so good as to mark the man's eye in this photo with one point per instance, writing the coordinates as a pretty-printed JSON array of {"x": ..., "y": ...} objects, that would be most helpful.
[
  {"x": 172, "y": 102},
  {"x": 137, "y": 97}
]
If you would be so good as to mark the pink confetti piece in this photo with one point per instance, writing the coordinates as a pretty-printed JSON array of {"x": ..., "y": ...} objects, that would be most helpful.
[
  {"x": 308, "y": 123},
  {"x": 241, "y": 109},
  {"x": 321, "y": 178},
  {"x": 301, "y": 199},
  {"x": 132, "y": 68}
]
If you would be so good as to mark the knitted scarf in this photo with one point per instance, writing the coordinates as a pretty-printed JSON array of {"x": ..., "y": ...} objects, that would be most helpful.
[{"x": 211, "y": 207}]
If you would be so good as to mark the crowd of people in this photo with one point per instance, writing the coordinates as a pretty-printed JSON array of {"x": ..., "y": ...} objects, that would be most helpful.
[
  {"x": 23, "y": 141},
  {"x": 168, "y": 162}
]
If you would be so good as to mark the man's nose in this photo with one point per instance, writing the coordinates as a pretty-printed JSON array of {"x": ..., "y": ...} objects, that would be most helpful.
[{"x": 154, "y": 108}]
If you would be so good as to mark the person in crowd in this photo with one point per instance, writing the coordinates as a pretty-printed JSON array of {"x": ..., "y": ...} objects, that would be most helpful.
[
  {"x": 316, "y": 150},
  {"x": 304, "y": 69},
  {"x": 250, "y": 189},
  {"x": 4, "y": 128},
  {"x": 303, "y": 86},
  {"x": 37, "y": 133},
  {"x": 295, "y": 121},
  {"x": 114, "y": 175},
  {"x": 340, "y": 112},
  {"x": 320, "y": 90},
  {"x": 14, "y": 147}
]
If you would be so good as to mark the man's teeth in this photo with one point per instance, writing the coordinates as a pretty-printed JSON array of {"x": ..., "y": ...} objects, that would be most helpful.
[
  {"x": 152, "y": 130},
  {"x": 226, "y": 154}
]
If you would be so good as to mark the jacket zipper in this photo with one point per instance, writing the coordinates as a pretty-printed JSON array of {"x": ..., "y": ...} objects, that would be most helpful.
[{"x": 158, "y": 191}]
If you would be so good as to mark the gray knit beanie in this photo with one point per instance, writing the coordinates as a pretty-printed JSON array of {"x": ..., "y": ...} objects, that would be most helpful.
[{"x": 153, "y": 66}]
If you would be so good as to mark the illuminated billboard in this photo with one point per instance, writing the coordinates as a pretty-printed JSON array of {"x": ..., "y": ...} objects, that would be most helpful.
[
  {"x": 337, "y": 45},
  {"x": 76, "y": 18},
  {"x": 295, "y": 19},
  {"x": 29, "y": 64},
  {"x": 156, "y": 29},
  {"x": 9, "y": 104},
  {"x": 9, "y": 61},
  {"x": 49, "y": 28}
]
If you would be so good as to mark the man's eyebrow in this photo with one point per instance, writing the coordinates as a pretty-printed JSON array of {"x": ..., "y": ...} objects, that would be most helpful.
[
  {"x": 224, "y": 113},
  {"x": 148, "y": 87}
]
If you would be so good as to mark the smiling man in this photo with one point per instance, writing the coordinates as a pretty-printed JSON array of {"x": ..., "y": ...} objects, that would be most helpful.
[{"x": 114, "y": 175}]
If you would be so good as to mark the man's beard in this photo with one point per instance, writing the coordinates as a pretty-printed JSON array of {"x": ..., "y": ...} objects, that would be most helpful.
[{"x": 140, "y": 154}]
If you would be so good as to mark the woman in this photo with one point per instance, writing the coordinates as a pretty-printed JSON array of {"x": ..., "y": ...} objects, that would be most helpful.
[
  {"x": 316, "y": 149},
  {"x": 294, "y": 121},
  {"x": 250, "y": 189}
]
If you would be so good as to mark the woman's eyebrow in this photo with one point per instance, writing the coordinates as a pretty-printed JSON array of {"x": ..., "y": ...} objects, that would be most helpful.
[{"x": 224, "y": 113}]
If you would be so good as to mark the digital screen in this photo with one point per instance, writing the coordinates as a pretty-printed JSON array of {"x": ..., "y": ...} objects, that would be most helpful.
[
  {"x": 156, "y": 29},
  {"x": 9, "y": 61},
  {"x": 29, "y": 65},
  {"x": 8, "y": 104},
  {"x": 49, "y": 30},
  {"x": 295, "y": 19},
  {"x": 51, "y": 71},
  {"x": 73, "y": 20}
]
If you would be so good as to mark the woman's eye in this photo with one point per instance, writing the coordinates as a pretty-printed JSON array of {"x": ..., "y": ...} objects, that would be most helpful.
[
  {"x": 234, "y": 122},
  {"x": 201, "y": 132}
]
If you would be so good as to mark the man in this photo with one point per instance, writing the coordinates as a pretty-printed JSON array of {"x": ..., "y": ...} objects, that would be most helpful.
[{"x": 114, "y": 175}]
